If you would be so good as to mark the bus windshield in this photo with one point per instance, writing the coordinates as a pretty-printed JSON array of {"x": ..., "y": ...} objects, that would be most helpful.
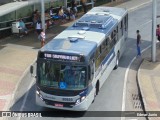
[{"x": 61, "y": 76}]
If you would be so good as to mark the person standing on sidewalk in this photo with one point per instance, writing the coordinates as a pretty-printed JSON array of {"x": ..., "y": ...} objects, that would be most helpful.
[
  {"x": 138, "y": 43},
  {"x": 158, "y": 33}
]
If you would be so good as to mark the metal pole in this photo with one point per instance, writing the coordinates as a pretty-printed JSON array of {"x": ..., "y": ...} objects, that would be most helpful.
[
  {"x": 65, "y": 3},
  {"x": 42, "y": 15},
  {"x": 154, "y": 13},
  {"x": 92, "y": 3}
]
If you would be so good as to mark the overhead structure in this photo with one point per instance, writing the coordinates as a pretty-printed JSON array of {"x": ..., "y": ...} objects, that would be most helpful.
[{"x": 65, "y": 3}]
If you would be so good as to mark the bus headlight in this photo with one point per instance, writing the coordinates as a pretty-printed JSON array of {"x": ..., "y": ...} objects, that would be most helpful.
[
  {"x": 78, "y": 101},
  {"x": 39, "y": 94},
  {"x": 82, "y": 98}
]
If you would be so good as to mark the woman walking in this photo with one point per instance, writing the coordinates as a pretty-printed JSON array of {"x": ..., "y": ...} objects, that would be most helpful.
[{"x": 42, "y": 37}]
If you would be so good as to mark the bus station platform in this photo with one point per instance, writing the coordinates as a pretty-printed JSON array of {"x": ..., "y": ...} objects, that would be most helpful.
[
  {"x": 149, "y": 81},
  {"x": 17, "y": 54}
]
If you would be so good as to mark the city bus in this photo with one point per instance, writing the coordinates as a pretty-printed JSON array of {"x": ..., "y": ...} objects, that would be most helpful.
[{"x": 73, "y": 66}]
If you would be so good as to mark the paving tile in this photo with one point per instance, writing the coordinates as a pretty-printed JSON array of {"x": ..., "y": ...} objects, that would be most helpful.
[{"x": 2, "y": 104}]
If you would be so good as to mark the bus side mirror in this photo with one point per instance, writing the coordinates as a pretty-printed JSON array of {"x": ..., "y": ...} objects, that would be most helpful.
[{"x": 31, "y": 69}]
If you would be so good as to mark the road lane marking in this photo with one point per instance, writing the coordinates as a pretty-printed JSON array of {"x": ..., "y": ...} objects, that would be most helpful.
[
  {"x": 146, "y": 23},
  {"x": 25, "y": 97},
  {"x": 125, "y": 82},
  {"x": 136, "y": 7}
]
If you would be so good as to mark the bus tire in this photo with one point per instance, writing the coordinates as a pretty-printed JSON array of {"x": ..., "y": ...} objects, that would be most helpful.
[
  {"x": 117, "y": 61},
  {"x": 97, "y": 88}
]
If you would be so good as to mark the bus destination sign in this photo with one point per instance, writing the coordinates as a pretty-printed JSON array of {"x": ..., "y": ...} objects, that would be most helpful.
[{"x": 62, "y": 57}]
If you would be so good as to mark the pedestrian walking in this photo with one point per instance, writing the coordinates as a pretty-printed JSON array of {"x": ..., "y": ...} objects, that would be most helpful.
[
  {"x": 38, "y": 27},
  {"x": 158, "y": 33},
  {"x": 74, "y": 7},
  {"x": 138, "y": 43},
  {"x": 42, "y": 37}
]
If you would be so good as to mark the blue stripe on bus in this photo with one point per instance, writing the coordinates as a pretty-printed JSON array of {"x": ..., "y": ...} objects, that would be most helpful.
[
  {"x": 87, "y": 91},
  {"x": 107, "y": 60},
  {"x": 108, "y": 57}
]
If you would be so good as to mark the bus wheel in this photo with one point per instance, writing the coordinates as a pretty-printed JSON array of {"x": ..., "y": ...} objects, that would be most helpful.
[
  {"x": 117, "y": 61},
  {"x": 97, "y": 88}
]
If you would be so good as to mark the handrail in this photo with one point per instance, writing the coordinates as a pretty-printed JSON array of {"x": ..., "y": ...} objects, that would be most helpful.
[
  {"x": 5, "y": 28},
  {"x": 14, "y": 19}
]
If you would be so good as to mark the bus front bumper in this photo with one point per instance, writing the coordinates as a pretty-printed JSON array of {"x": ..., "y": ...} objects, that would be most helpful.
[{"x": 83, "y": 106}]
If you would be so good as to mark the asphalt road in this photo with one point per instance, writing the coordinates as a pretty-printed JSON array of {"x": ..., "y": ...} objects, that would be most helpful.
[{"x": 111, "y": 93}]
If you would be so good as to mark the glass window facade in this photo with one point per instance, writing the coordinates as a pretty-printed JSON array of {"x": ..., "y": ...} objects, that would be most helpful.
[{"x": 26, "y": 12}]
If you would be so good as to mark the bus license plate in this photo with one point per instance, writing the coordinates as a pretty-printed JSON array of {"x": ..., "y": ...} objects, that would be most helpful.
[{"x": 58, "y": 105}]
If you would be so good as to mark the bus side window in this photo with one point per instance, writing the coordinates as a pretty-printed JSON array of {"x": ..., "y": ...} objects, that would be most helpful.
[
  {"x": 122, "y": 27},
  {"x": 97, "y": 62},
  {"x": 103, "y": 45},
  {"x": 115, "y": 36},
  {"x": 126, "y": 22},
  {"x": 104, "y": 50},
  {"x": 90, "y": 72},
  {"x": 112, "y": 41},
  {"x": 97, "y": 54},
  {"x": 119, "y": 31},
  {"x": 100, "y": 49},
  {"x": 107, "y": 39},
  {"x": 107, "y": 44}
]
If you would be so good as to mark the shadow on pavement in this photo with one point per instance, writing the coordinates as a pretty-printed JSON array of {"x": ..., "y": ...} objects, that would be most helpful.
[{"x": 132, "y": 48}]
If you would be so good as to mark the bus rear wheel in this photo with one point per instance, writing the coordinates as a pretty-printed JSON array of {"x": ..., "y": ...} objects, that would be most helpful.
[{"x": 97, "y": 88}]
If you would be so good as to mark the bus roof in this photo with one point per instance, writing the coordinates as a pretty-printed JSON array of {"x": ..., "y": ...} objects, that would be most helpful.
[
  {"x": 115, "y": 12},
  {"x": 71, "y": 45},
  {"x": 86, "y": 33}
]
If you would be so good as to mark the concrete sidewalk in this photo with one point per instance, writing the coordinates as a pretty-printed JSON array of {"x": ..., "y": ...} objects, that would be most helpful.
[
  {"x": 17, "y": 54},
  {"x": 149, "y": 82}
]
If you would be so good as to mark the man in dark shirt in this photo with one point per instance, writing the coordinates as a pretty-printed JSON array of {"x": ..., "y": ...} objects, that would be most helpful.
[{"x": 138, "y": 43}]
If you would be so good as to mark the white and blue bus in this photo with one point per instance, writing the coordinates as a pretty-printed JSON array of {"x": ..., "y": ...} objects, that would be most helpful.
[{"x": 73, "y": 66}]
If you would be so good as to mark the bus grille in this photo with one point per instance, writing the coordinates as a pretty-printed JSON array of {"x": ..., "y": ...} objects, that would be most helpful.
[{"x": 65, "y": 104}]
